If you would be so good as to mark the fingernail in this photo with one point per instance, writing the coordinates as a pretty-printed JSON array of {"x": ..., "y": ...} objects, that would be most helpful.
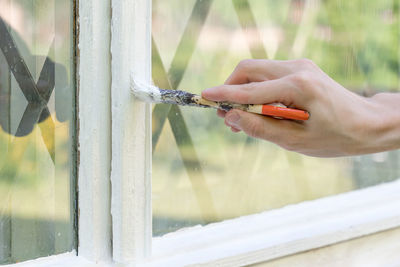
[{"x": 232, "y": 118}]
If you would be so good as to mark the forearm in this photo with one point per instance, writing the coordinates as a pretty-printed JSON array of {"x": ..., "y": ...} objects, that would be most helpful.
[{"x": 384, "y": 125}]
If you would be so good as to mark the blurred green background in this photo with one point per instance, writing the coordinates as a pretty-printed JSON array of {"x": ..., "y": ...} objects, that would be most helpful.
[{"x": 202, "y": 172}]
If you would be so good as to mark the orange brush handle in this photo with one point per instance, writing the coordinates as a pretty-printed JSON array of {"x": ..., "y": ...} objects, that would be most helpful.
[{"x": 286, "y": 113}]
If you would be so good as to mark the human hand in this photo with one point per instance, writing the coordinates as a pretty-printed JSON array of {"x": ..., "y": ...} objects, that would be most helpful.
[{"x": 341, "y": 123}]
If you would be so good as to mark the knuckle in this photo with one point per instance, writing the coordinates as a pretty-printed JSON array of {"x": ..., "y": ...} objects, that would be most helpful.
[
  {"x": 249, "y": 86},
  {"x": 244, "y": 64},
  {"x": 306, "y": 63},
  {"x": 301, "y": 79},
  {"x": 253, "y": 129}
]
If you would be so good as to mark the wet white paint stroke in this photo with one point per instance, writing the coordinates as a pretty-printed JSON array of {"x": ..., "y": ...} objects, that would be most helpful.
[{"x": 145, "y": 91}]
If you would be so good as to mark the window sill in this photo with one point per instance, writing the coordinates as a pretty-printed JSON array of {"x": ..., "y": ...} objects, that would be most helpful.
[
  {"x": 66, "y": 259},
  {"x": 269, "y": 235},
  {"x": 282, "y": 232}
]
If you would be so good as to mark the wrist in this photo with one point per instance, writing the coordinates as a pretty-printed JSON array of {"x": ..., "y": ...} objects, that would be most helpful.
[{"x": 381, "y": 123}]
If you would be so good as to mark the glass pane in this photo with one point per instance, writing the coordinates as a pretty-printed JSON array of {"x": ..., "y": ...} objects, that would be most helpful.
[
  {"x": 202, "y": 172},
  {"x": 36, "y": 129}
]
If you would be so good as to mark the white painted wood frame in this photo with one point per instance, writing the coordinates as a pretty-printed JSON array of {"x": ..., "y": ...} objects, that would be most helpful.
[
  {"x": 282, "y": 232},
  {"x": 94, "y": 114},
  {"x": 269, "y": 235},
  {"x": 94, "y": 138},
  {"x": 131, "y": 131}
]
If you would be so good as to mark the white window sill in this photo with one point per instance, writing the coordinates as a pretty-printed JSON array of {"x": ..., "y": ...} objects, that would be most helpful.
[
  {"x": 269, "y": 235},
  {"x": 61, "y": 260},
  {"x": 292, "y": 229}
]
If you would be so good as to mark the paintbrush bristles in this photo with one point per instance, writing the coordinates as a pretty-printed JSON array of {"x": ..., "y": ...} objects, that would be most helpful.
[{"x": 145, "y": 92}]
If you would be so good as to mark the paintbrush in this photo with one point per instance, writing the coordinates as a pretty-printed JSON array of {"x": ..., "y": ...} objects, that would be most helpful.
[{"x": 153, "y": 94}]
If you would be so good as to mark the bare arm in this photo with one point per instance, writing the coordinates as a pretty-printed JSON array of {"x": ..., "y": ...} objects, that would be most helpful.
[
  {"x": 341, "y": 123},
  {"x": 387, "y": 127}
]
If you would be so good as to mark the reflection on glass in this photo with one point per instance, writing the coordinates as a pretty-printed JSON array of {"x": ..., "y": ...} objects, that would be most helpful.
[
  {"x": 36, "y": 115},
  {"x": 202, "y": 172}
]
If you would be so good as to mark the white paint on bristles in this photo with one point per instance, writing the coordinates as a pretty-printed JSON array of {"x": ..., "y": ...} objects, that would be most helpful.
[{"x": 145, "y": 91}]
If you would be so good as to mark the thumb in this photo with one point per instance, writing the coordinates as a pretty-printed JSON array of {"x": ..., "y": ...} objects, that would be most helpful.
[{"x": 256, "y": 125}]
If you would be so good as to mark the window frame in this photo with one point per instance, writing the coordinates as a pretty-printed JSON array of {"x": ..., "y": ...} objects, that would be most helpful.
[
  {"x": 115, "y": 218},
  {"x": 93, "y": 138},
  {"x": 282, "y": 232},
  {"x": 94, "y": 131},
  {"x": 131, "y": 132}
]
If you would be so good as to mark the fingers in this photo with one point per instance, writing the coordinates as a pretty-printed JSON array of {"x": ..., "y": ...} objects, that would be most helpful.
[
  {"x": 261, "y": 126},
  {"x": 233, "y": 129},
  {"x": 257, "y": 70},
  {"x": 282, "y": 91},
  {"x": 221, "y": 113},
  {"x": 294, "y": 83},
  {"x": 268, "y": 81}
]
